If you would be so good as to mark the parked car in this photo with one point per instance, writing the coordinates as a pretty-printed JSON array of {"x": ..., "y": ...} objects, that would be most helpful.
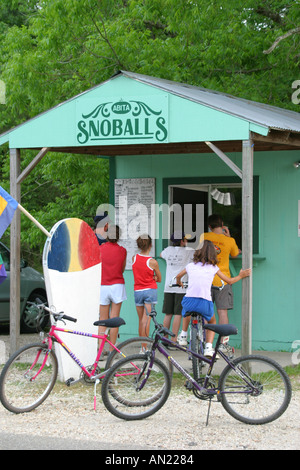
[{"x": 32, "y": 286}]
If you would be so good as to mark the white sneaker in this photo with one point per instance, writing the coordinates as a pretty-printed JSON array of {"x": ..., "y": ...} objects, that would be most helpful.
[
  {"x": 182, "y": 340},
  {"x": 227, "y": 349},
  {"x": 208, "y": 350}
]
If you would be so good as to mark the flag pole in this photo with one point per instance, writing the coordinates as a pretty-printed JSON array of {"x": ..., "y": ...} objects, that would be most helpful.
[{"x": 34, "y": 220}]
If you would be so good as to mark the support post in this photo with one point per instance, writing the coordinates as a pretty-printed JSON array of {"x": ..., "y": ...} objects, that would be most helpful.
[
  {"x": 247, "y": 245},
  {"x": 15, "y": 250}
]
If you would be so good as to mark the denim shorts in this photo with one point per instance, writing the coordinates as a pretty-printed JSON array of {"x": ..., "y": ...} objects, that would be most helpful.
[
  {"x": 199, "y": 305},
  {"x": 147, "y": 296}
]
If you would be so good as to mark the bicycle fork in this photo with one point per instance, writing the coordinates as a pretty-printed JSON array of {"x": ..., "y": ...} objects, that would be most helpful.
[{"x": 27, "y": 373}]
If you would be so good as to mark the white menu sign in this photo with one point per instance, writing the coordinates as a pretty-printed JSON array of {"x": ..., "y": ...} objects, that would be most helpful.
[{"x": 135, "y": 212}]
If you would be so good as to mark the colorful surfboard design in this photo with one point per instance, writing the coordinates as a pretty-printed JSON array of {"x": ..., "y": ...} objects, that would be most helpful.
[
  {"x": 74, "y": 247},
  {"x": 72, "y": 271}
]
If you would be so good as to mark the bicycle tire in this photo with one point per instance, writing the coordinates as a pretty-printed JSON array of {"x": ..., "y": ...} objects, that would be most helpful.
[
  {"x": 119, "y": 388},
  {"x": 198, "y": 347},
  {"x": 270, "y": 398},
  {"x": 133, "y": 346},
  {"x": 18, "y": 392}
]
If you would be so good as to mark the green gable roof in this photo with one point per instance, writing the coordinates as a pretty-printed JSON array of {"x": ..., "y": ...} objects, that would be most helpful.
[{"x": 132, "y": 108}]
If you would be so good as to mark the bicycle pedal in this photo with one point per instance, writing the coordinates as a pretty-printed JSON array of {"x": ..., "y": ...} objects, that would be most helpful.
[
  {"x": 70, "y": 381},
  {"x": 188, "y": 385}
]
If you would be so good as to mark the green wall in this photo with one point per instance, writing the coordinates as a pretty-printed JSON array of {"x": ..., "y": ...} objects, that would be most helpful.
[{"x": 276, "y": 269}]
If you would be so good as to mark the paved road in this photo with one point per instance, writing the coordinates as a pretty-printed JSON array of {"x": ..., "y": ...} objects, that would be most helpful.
[{"x": 11, "y": 441}]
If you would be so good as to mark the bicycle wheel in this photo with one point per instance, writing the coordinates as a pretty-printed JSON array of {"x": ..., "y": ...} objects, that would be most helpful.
[
  {"x": 197, "y": 347},
  {"x": 256, "y": 391},
  {"x": 135, "y": 346},
  {"x": 20, "y": 390},
  {"x": 120, "y": 388}
]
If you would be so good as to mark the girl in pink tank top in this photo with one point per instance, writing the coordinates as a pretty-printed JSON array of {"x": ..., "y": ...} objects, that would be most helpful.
[{"x": 146, "y": 274}]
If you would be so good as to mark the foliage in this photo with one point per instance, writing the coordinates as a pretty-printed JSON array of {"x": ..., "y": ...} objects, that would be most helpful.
[{"x": 51, "y": 50}]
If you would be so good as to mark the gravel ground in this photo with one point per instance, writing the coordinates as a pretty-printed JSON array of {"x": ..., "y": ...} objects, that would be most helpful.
[{"x": 179, "y": 425}]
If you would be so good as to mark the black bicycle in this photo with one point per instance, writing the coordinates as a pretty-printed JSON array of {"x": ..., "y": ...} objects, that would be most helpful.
[
  {"x": 197, "y": 334},
  {"x": 253, "y": 389}
]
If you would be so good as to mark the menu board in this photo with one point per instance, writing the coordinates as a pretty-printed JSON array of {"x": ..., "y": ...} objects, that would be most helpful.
[{"x": 135, "y": 213}]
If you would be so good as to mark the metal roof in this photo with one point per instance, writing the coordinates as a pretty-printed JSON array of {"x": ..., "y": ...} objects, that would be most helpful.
[
  {"x": 258, "y": 113},
  {"x": 268, "y": 116}
]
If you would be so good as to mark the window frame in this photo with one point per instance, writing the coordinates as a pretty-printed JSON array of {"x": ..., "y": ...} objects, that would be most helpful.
[{"x": 218, "y": 181}]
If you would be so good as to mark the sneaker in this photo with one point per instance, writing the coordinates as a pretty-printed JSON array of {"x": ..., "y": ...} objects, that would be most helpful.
[
  {"x": 227, "y": 349},
  {"x": 208, "y": 350},
  {"x": 182, "y": 340}
]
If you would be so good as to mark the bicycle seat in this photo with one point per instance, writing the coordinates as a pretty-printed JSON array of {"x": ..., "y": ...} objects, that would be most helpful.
[
  {"x": 110, "y": 322},
  {"x": 223, "y": 330}
]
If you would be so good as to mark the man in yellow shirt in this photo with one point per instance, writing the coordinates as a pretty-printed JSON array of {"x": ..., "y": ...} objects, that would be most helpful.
[{"x": 225, "y": 246}]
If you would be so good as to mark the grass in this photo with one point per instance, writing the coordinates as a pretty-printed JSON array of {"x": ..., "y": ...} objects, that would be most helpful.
[
  {"x": 292, "y": 371},
  {"x": 294, "y": 375}
]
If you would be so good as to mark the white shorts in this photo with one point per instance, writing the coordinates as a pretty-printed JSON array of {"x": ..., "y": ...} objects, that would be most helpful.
[{"x": 115, "y": 293}]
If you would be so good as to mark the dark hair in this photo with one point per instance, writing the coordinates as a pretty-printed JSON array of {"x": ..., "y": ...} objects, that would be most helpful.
[
  {"x": 214, "y": 221},
  {"x": 144, "y": 242},
  {"x": 102, "y": 219},
  {"x": 206, "y": 254},
  {"x": 113, "y": 233},
  {"x": 176, "y": 238}
]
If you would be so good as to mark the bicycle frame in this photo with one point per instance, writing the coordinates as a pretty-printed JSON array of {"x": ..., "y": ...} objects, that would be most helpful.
[
  {"x": 54, "y": 337},
  {"x": 195, "y": 320},
  {"x": 210, "y": 362}
]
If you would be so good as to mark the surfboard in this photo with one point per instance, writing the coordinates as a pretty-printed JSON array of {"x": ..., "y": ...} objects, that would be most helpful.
[{"x": 72, "y": 271}]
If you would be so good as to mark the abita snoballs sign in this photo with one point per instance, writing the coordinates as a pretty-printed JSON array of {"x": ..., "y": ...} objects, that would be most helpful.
[{"x": 143, "y": 119}]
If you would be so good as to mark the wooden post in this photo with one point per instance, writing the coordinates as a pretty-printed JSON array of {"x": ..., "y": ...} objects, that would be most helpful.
[
  {"x": 15, "y": 249},
  {"x": 247, "y": 245}
]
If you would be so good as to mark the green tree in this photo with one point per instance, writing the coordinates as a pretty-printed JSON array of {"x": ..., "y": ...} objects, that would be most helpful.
[{"x": 52, "y": 50}]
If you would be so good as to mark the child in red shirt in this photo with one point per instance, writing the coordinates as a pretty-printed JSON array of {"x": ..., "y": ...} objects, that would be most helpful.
[
  {"x": 146, "y": 274},
  {"x": 113, "y": 293}
]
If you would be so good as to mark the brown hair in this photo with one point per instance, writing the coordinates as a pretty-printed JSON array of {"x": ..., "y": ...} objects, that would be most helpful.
[
  {"x": 113, "y": 233},
  {"x": 206, "y": 254},
  {"x": 144, "y": 242}
]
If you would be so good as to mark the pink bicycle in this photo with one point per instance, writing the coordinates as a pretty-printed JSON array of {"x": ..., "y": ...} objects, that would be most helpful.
[{"x": 30, "y": 374}]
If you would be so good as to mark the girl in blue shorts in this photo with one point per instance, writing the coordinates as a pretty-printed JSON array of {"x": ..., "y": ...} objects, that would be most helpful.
[{"x": 201, "y": 273}]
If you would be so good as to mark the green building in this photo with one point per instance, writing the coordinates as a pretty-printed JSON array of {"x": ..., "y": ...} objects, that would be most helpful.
[{"x": 174, "y": 145}]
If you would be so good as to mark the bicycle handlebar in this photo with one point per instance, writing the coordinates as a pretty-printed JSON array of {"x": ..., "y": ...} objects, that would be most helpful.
[
  {"x": 173, "y": 283},
  {"x": 57, "y": 316},
  {"x": 160, "y": 328}
]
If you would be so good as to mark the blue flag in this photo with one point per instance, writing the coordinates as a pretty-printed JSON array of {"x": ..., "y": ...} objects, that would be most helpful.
[
  {"x": 8, "y": 206},
  {"x": 3, "y": 274}
]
